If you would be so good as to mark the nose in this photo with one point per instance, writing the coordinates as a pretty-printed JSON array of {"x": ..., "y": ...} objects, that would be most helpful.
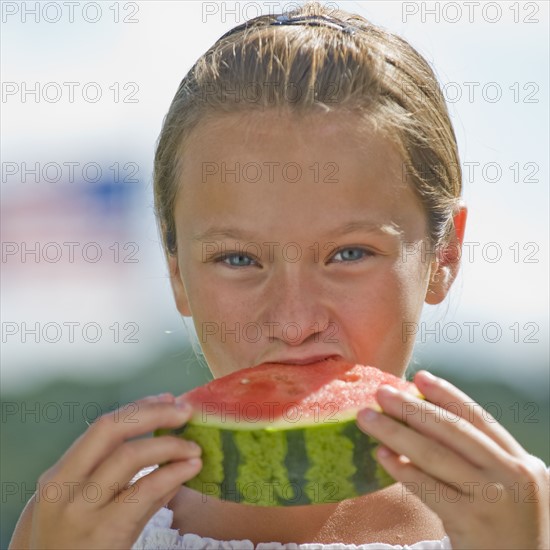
[{"x": 297, "y": 309}]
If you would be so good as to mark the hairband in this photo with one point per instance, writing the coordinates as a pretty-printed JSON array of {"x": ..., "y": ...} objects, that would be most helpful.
[
  {"x": 314, "y": 21},
  {"x": 311, "y": 20}
]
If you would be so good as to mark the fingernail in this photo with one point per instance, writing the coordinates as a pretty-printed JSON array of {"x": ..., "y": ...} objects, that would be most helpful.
[
  {"x": 193, "y": 445},
  {"x": 383, "y": 452},
  {"x": 369, "y": 415},
  {"x": 389, "y": 390},
  {"x": 165, "y": 397},
  {"x": 429, "y": 376},
  {"x": 182, "y": 404},
  {"x": 194, "y": 461}
]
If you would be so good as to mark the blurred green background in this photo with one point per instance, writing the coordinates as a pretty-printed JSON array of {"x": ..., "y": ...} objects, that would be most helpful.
[{"x": 32, "y": 442}]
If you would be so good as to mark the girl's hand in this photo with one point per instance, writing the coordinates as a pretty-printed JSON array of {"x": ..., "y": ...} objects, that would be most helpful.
[
  {"x": 84, "y": 500},
  {"x": 489, "y": 492}
]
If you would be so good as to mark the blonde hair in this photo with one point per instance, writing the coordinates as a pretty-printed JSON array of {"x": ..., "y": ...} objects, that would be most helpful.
[{"x": 331, "y": 60}]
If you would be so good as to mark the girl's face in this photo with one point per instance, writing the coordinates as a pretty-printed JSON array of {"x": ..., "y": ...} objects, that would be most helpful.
[{"x": 296, "y": 239}]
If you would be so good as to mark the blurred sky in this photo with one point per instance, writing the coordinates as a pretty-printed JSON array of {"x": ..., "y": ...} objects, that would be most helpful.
[{"x": 137, "y": 63}]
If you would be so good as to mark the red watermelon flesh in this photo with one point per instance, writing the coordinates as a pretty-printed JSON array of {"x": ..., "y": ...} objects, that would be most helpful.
[{"x": 280, "y": 396}]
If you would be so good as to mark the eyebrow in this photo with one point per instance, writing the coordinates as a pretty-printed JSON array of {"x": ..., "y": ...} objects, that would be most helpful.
[
  {"x": 391, "y": 229},
  {"x": 387, "y": 229}
]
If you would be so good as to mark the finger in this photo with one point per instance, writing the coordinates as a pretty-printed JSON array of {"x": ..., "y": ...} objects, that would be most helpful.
[
  {"x": 431, "y": 456},
  {"x": 115, "y": 473},
  {"x": 440, "y": 497},
  {"x": 142, "y": 499},
  {"x": 444, "y": 434},
  {"x": 126, "y": 414},
  {"x": 112, "y": 429},
  {"x": 445, "y": 395}
]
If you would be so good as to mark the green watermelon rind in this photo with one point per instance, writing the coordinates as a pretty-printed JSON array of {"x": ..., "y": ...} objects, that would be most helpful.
[{"x": 326, "y": 463}]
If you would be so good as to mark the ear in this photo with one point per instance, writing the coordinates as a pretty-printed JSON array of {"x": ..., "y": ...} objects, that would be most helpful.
[
  {"x": 178, "y": 288},
  {"x": 445, "y": 267}
]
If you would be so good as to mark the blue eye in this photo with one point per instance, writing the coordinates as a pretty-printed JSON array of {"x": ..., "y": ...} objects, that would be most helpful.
[
  {"x": 352, "y": 254},
  {"x": 241, "y": 260}
]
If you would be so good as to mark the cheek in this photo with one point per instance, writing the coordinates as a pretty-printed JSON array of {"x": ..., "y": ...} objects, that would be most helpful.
[
  {"x": 217, "y": 312},
  {"x": 412, "y": 279},
  {"x": 395, "y": 296}
]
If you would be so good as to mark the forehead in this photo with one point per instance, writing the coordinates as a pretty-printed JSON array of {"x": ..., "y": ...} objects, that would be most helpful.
[
  {"x": 354, "y": 143},
  {"x": 270, "y": 165}
]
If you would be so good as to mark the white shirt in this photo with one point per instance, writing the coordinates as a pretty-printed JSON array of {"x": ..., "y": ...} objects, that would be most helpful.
[{"x": 158, "y": 535}]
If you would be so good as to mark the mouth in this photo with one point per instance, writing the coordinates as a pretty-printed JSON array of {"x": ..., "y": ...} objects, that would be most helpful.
[{"x": 306, "y": 360}]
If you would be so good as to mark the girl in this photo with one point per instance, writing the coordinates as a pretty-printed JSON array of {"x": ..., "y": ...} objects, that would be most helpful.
[{"x": 306, "y": 177}]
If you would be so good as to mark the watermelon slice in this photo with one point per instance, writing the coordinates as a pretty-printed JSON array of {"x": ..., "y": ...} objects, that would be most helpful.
[{"x": 286, "y": 435}]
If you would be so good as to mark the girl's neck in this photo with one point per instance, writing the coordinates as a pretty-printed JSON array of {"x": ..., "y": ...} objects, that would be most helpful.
[{"x": 390, "y": 516}]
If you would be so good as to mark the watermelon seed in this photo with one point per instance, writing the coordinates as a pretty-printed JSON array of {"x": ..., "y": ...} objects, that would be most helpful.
[
  {"x": 245, "y": 380},
  {"x": 352, "y": 377}
]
